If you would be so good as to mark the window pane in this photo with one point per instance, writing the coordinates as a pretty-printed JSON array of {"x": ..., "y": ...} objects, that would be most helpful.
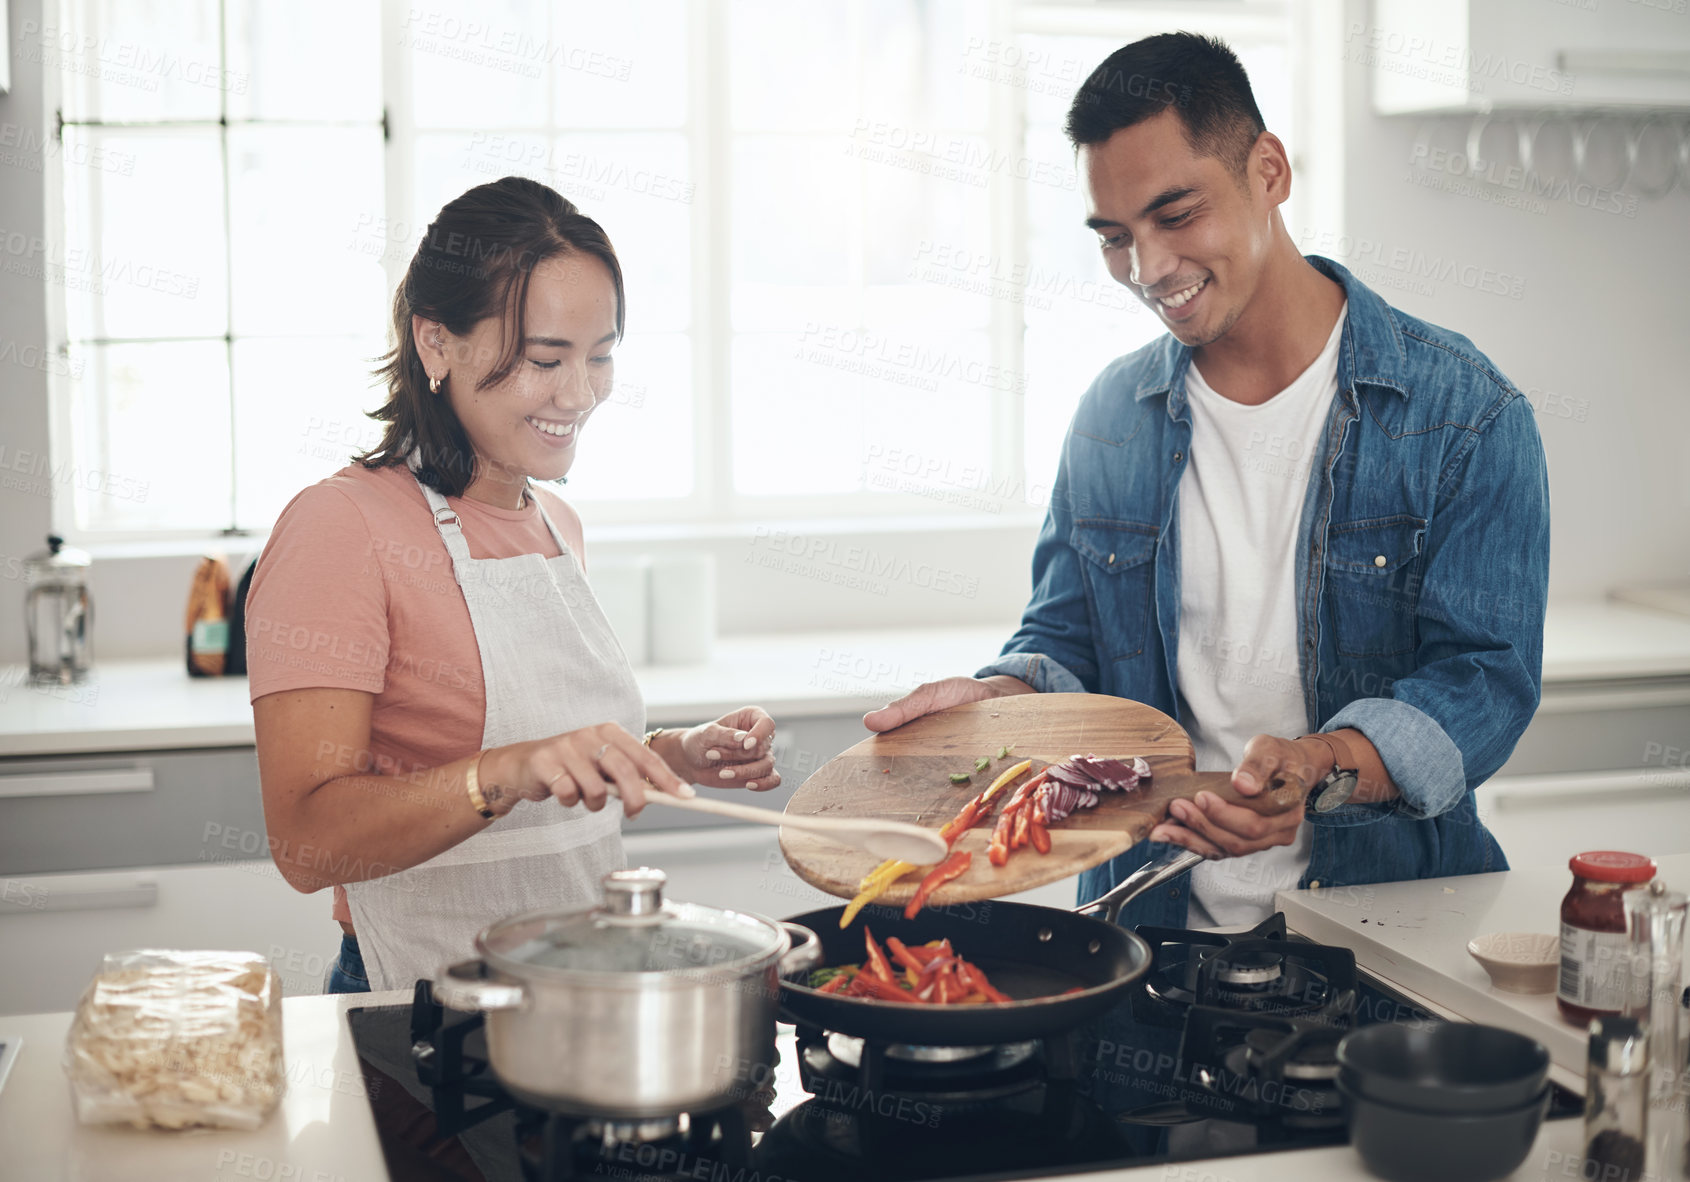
[
  {"x": 914, "y": 64},
  {"x": 306, "y": 59},
  {"x": 796, "y": 213},
  {"x": 798, "y": 425},
  {"x": 144, "y": 251},
  {"x": 639, "y": 442},
  {"x": 298, "y": 266},
  {"x": 793, "y": 67},
  {"x": 135, "y": 60},
  {"x": 150, "y": 436},
  {"x": 621, "y": 65},
  {"x": 299, "y": 416},
  {"x": 478, "y": 63}
]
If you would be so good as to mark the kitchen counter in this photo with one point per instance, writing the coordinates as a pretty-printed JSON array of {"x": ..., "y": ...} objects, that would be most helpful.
[
  {"x": 143, "y": 705},
  {"x": 1414, "y": 935},
  {"x": 150, "y": 705},
  {"x": 323, "y": 1132}
]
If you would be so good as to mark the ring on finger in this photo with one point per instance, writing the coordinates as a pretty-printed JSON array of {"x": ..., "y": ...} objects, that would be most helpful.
[
  {"x": 599, "y": 754},
  {"x": 561, "y": 773}
]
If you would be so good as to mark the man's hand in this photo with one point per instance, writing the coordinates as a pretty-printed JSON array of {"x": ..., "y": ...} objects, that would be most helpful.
[
  {"x": 940, "y": 695},
  {"x": 1209, "y": 826}
]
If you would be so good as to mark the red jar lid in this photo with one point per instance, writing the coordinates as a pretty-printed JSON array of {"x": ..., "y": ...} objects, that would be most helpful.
[{"x": 1613, "y": 866}]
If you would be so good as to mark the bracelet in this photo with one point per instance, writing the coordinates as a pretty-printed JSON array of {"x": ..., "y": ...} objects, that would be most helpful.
[
  {"x": 473, "y": 783},
  {"x": 651, "y": 735}
]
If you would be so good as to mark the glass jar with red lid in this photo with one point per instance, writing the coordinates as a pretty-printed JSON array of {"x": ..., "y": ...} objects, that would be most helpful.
[{"x": 1595, "y": 958}]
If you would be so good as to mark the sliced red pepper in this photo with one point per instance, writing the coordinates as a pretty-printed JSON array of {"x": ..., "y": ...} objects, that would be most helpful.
[
  {"x": 950, "y": 990},
  {"x": 984, "y": 986},
  {"x": 952, "y": 867},
  {"x": 877, "y": 962},
  {"x": 1037, "y": 830},
  {"x": 903, "y": 955},
  {"x": 1023, "y": 823},
  {"x": 998, "y": 850},
  {"x": 884, "y": 990},
  {"x": 835, "y": 985}
]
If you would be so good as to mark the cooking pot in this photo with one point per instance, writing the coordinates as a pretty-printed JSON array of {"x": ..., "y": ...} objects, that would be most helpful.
[{"x": 636, "y": 1009}]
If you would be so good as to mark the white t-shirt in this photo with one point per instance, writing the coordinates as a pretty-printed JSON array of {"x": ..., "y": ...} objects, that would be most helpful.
[{"x": 1240, "y": 504}]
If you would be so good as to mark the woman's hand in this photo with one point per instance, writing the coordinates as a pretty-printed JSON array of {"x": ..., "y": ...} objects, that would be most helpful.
[
  {"x": 732, "y": 752},
  {"x": 577, "y": 766}
]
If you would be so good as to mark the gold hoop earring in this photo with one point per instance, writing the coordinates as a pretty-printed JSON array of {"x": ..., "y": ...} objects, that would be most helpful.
[{"x": 434, "y": 385}]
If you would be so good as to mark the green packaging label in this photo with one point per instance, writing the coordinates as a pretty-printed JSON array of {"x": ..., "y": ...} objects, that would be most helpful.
[{"x": 211, "y": 636}]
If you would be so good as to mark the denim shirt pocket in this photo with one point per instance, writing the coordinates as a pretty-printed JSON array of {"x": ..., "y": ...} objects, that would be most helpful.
[
  {"x": 1118, "y": 573},
  {"x": 1373, "y": 570}
]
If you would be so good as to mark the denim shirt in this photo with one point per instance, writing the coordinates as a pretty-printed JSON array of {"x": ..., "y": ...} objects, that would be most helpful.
[{"x": 1422, "y": 569}]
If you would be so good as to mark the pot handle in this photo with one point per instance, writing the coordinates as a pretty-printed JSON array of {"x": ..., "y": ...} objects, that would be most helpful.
[
  {"x": 465, "y": 986},
  {"x": 806, "y": 950},
  {"x": 1171, "y": 864}
]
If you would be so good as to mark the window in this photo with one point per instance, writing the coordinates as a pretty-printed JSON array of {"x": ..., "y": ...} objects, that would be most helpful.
[{"x": 857, "y": 279}]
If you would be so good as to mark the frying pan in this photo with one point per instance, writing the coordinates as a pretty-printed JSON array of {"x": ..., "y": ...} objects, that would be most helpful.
[{"x": 1031, "y": 953}]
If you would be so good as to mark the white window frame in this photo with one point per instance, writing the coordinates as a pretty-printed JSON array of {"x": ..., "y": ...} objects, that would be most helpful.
[{"x": 1312, "y": 29}]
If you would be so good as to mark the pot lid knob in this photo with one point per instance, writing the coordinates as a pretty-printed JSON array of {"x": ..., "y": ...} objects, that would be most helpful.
[{"x": 634, "y": 892}]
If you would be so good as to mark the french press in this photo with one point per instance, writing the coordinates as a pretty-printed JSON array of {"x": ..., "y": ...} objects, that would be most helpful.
[{"x": 59, "y": 614}]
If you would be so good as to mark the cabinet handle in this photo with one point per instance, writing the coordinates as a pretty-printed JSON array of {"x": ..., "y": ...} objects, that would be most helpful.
[
  {"x": 33, "y": 895},
  {"x": 138, "y": 779}
]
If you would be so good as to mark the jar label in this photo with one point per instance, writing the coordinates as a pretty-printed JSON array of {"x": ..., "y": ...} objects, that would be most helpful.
[{"x": 1596, "y": 969}]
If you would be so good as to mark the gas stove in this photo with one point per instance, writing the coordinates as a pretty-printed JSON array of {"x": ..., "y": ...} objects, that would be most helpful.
[{"x": 1226, "y": 1047}]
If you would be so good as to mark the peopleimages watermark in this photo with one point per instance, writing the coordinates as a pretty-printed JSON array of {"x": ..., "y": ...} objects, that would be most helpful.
[
  {"x": 1512, "y": 186},
  {"x": 79, "y": 267},
  {"x": 945, "y": 479},
  {"x": 1409, "y": 267},
  {"x": 860, "y": 568},
  {"x": 1448, "y": 63},
  {"x": 120, "y": 62},
  {"x": 903, "y": 362},
  {"x": 586, "y": 175},
  {"x": 980, "y": 272},
  {"x": 951, "y": 156},
  {"x": 505, "y": 50},
  {"x": 34, "y": 472},
  {"x": 30, "y": 148}
]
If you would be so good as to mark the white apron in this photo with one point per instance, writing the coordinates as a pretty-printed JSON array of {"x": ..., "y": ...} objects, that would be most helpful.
[{"x": 550, "y": 664}]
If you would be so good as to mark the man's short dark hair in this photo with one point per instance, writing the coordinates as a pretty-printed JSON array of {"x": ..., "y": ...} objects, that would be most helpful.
[{"x": 1198, "y": 78}]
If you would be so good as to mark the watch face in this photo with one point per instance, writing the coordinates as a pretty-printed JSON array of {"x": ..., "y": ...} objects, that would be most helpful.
[{"x": 1335, "y": 792}]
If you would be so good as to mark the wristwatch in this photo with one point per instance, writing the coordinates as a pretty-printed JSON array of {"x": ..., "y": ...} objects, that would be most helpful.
[{"x": 1338, "y": 786}]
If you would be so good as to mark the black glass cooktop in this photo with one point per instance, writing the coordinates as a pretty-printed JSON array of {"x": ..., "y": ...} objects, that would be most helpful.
[{"x": 1139, "y": 1087}]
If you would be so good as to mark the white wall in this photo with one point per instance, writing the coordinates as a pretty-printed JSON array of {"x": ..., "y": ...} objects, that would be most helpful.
[
  {"x": 1601, "y": 328},
  {"x": 1599, "y": 331}
]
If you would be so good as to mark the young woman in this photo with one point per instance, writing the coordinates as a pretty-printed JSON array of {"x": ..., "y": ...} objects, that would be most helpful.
[{"x": 441, "y": 708}]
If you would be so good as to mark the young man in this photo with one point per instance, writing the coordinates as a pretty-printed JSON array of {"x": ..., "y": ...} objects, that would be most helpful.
[{"x": 1310, "y": 527}]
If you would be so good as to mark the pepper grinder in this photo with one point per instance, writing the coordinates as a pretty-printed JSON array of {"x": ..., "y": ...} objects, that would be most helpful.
[
  {"x": 1616, "y": 1099},
  {"x": 1654, "y": 926}
]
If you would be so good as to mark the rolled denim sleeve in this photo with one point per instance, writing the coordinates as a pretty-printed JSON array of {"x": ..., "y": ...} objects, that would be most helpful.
[{"x": 1448, "y": 726}]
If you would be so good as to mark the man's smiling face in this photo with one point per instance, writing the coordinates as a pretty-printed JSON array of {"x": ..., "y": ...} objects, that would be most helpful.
[{"x": 1184, "y": 231}]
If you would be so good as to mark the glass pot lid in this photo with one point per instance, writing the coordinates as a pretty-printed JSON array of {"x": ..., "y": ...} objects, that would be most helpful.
[{"x": 634, "y": 932}]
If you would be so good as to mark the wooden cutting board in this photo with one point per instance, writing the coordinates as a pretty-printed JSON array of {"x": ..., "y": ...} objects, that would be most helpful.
[{"x": 902, "y": 775}]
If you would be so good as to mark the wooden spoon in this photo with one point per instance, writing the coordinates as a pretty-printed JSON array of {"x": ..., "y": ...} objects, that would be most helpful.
[{"x": 884, "y": 839}]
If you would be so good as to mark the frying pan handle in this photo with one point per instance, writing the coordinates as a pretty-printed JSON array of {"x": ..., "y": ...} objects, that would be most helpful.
[{"x": 1169, "y": 865}]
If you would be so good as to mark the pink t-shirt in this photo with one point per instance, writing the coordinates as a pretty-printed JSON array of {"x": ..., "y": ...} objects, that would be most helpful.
[{"x": 354, "y": 590}]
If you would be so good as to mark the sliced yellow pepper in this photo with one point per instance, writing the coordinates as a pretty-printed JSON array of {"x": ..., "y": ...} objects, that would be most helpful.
[
  {"x": 873, "y": 884},
  {"x": 1005, "y": 780}
]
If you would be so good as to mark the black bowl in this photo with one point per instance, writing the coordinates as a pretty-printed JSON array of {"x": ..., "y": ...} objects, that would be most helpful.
[
  {"x": 1450, "y": 1067},
  {"x": 1405, "y": 1145}
]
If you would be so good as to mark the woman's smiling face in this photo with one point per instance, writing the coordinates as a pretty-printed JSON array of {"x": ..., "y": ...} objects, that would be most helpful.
[{"x": 528, "y": 424}]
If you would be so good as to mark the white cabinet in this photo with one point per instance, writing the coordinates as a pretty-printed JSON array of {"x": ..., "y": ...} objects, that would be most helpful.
[
  {"x": 54, "y": 928},
  {"x": 1451, "y": 56}
]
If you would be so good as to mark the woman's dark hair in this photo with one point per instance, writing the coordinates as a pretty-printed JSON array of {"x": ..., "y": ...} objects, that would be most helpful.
[
  {"x": 475, "y": 261},
  {"x": 1198, "y": 78}
]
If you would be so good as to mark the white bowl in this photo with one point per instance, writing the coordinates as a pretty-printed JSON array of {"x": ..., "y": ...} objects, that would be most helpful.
[{"x": 1519, "y": 962}]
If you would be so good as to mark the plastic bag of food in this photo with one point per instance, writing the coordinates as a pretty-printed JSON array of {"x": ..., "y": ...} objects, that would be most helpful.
[{"x": 175, "y": 1039}]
